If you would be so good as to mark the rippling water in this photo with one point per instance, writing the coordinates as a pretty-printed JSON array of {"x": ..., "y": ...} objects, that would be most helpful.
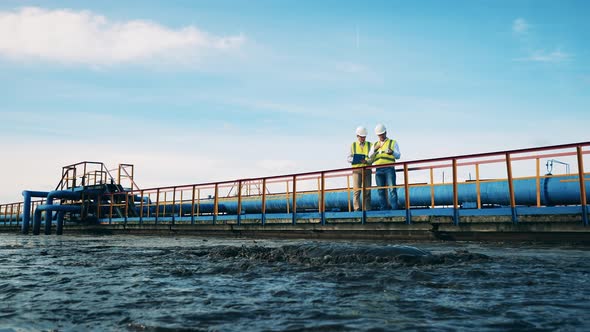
[{"x": 131, "y": 283}]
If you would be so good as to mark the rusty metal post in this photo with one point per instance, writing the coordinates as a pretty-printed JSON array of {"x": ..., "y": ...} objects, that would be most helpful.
[
  {"x": 263, "y": 207},
  {"x": 455, "y": 194},
  {"x": 407, "y": 193},
  {"x": 511, "y": 188},
  {"x": 239, "y": 212},
  {"x": 582, "y": 185}
]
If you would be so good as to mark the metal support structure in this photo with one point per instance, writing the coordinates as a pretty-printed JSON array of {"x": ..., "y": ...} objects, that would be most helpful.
[
  {"x": 193, "y": 206},
  {"x": 455, "y": 194},
  {"x": 323, "y": 199},
  {"x": 511, "y": 188},
  {"x": 407, "y": 193},
  {"x": 294, "y": 210},
  {"x": 263, "y": 207},
  {"x": 216, "y": 203},
  {"x": 583, "y": 201},
  {"x": 239, "y": 213}
]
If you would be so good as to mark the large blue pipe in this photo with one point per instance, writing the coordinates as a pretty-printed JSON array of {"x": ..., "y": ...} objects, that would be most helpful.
[
  {"x": 61, "y": 194},
  {"x": 49, "y": 209},
  {"x": 554, "y": 191},
  {"x": 28, "y": 194}
]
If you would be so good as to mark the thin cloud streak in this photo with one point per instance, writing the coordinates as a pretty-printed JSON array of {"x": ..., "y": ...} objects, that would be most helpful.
[
  {"x": 542, "y": 56},
  {"x": 83, "y": 37},
  {"x": 520, "y": 26}
]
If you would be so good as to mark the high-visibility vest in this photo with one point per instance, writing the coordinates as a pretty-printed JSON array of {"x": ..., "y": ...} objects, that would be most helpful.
[
  {"x": 381, "y": 157},
  {"x": 358, "y": 149}
]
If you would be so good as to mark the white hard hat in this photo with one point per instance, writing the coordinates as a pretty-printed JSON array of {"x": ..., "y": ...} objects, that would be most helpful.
[
  {"x": 361, "y": 131},
  {"x": 380, "y": 129}
]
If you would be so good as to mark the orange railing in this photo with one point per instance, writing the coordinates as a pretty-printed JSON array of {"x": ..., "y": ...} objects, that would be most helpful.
[{"x": 188, "y": 202}]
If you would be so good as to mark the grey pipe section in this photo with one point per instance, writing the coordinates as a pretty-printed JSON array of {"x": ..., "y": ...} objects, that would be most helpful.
[{"x": 28, "y": 194}]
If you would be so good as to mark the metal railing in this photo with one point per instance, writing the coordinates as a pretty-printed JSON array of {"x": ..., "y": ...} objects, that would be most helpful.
[{"x": 293, "y": 197}]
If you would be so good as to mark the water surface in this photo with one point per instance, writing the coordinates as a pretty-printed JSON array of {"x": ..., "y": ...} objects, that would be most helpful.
[{"x": 133, "y": 283}]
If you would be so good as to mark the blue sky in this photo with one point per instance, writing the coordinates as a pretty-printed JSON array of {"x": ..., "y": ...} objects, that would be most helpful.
[{"x": 200, "y": 91}]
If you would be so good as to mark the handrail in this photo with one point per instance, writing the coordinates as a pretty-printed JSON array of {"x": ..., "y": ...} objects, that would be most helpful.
[{"x": 325, "y": 185}]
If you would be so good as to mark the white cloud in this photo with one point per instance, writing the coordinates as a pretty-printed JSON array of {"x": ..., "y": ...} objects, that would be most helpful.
[
  {"x": 543, "y": 56},
  {"x": 520, "y": 26},
  {"x": 83, "y": 37},
  {"x": 535, "y": 53}
]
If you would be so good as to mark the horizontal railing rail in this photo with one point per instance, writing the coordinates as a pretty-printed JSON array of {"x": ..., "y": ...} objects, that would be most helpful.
[{"x": 295, "y": 195}]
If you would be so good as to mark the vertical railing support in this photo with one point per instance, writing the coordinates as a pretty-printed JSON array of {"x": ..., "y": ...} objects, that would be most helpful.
[
  {"x": 432, "y": 188},
  {"x": 216, "y": 203},
  {"x": 294, "y": 200},
  {"x": 477, "y": 186},
  {"x": 407, "y": 193},
  {"x": 582, "y": 185},
  {"x": 239, "y": 212},
  {"x": 323, "y": 199},
  {"x": 193, "y": 207},
  {"x": 263, "y": 207},
  {"x": 363, "y": 190},
  {"x": 511, "y": 188},
  {"x": 157, "y": 205},
  {"x": 455, "y": 194},
  {"x": 173, "y": 205},
  {"x": 538, "y": 181},
  {"x": 141, "y": 207}
]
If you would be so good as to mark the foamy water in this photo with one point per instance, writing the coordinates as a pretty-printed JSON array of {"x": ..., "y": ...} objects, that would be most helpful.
[{"x": 132, "y": 283}]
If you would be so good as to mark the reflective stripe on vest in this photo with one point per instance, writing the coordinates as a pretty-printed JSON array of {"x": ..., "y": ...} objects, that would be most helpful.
[
  {"x": 382, "y": 158},
  {"x": 356, "y": 146}
]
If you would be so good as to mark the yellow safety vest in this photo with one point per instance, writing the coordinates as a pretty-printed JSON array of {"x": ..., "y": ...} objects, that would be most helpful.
[
  {"x": 381, "y": 157},
  {"x": 358, "y": 149}
]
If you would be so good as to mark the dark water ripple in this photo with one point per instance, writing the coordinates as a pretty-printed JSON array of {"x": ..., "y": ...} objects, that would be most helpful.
[{"x": 125, "y": 283}]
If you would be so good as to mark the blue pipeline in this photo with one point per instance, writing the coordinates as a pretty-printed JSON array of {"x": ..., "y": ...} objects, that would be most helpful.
[
  {"x": 553, "y": 191},
  {"x": 28, "y": 194},
  {"x": 61, "y": 209},
  {"x": 49, "y": 207}
]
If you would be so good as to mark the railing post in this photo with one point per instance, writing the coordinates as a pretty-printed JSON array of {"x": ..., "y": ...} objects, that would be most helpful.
[
  {"x": 263, "y": 207},
  {"x": 511, "y": 188},
  {"x": 349, "y": 191},
  {"x": 173, "y": 205},
  {"x": 141, "y": 207},
  {"x": 455, "y": 194},
  {"x": 432, "y": 187},
  {"x": 294, "y": 210},
  {"x": 582, "y": 185},
  {"x": 407, "y": 193},
  {"x": 11, "y": 213},
  {"x": 17, "y": 213},
  {"x": 193, "y": 207},
  {"x": 157, "y": 205},
  {"x": 538, "y": 181},
  {"x": 477, "y": 186},
  {"x": 216, "y": 203},
  {"x": 364, "y": 205},
  {"x": 239, "y": 212},
  {"x": 323, "y": 199}
]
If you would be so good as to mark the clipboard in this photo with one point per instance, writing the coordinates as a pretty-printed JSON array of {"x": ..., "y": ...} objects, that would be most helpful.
[{"x": 357, "y": 158}]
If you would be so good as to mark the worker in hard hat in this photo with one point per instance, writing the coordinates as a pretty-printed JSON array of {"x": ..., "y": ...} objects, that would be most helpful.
[
  {"x": 385, "y": 152},
  {"x": 359, "y": 157}
]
